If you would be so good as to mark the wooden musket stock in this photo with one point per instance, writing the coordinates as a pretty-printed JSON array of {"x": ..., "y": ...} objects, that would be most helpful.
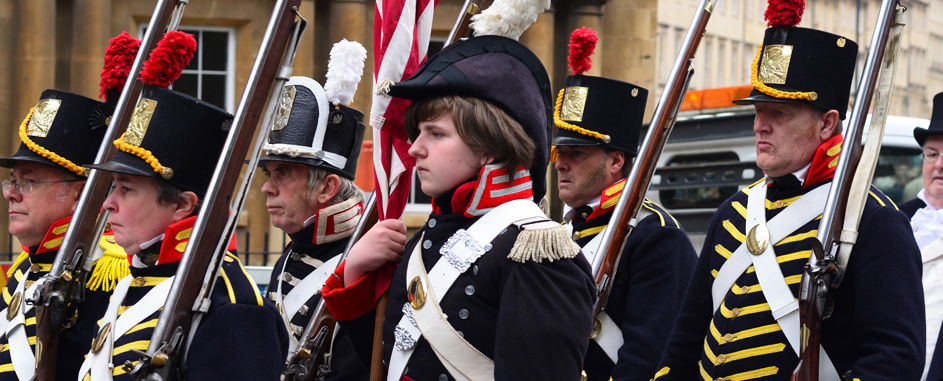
[
  {"x": 199, "y": 267},
  {"x": 59, "y": 291}
]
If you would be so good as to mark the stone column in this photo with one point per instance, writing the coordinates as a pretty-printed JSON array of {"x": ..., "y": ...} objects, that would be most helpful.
[
  {"x": 33, "y": 60},
  {"x": 90, "y": 35},
  {"x": 631, "y": 39},
  {"x": 588, "y": 14},
  {"x": 353, "y": 20},
  {"x": 8, "y": 122}
]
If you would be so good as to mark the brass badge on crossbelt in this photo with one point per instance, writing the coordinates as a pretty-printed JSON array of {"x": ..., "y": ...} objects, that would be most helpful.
[
  {"x": 99, "y": 342},
  {"x": 139, "y": 121},
  {"x": 775, "y": 64},
  {"x": 284, "y": 108},
  {"x": 417, "y": 292},
  {"x": 43, "y": 116},
  {"x": 574, "y": 102}
]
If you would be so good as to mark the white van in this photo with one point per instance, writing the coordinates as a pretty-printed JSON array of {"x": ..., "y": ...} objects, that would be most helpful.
[{"x": 711, "y": 156}]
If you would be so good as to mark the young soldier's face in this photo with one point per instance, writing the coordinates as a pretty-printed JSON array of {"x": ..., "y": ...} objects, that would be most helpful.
[
  {"x": 443, "y": 160},
  {"x": 933, "y": 171},
  {"x": 787, "y": 135},
  {"x": 32, "y": 213},
  {"x": 583, "y": 172},
  {"x": 136, "y": 215},
  {"x": 287, "y": 191}
]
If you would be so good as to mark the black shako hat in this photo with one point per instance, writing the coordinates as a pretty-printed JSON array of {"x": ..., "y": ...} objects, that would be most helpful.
[
  {"x": 936, "y": 122},
  {"x": 63, "y": 131},
  {"x": 174, "y": 137},
  {"x": 499, "y": 70},
  {"x": 803, "y": 65},
  {"x": 597, "y": 111},
  {"x": 308, "y": 129}
]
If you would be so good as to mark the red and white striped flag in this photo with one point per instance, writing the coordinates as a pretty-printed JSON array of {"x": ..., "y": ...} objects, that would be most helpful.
[{"x": 400, "y": 42}]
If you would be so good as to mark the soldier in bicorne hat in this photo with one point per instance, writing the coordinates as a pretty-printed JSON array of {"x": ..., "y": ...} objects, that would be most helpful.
[
  {"x": 488, "y": 288},
  {"x": 926, "y": 219},
  {"x": 598, "y": 124},
  {"x": 739, "y": 318},
  {"x": 161, "y": 173},
  {"x": 311, "y": 162},
  {"x": 61, "y": 133}
]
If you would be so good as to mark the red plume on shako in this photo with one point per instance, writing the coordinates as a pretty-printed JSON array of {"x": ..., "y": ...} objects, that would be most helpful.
[
  {"x": 582, "y": 44},
  {"x": 167, "y": 61},
  {"x": 119, "y": 56},
  {"x": 784, "y": 13}
]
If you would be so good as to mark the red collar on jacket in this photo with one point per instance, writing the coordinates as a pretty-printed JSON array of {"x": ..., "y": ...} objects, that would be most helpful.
[{"x": 493, "y": 186}]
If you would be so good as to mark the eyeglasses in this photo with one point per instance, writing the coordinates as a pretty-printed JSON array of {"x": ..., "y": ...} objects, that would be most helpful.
[
  {"x": 930, "y": 157},
  {"x": 26, "y": 186}
]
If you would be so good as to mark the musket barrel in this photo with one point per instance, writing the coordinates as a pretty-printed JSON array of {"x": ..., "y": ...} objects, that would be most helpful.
[
  {"x": 851, "y": 148},
  {"x": 644, "y": 165},
  {"x": 187, "y": 293}
]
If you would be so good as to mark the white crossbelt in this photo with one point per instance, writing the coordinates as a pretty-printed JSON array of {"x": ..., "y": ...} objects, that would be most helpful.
[
  {"x": 99, "y": 363},
  {"x": 21, "y": 354},
  {"x": 610, "y": 334},
  {"x": 459, "y": 253},
  {"x": 304, "y": 291},
  {"x": 783, "y": 305}
]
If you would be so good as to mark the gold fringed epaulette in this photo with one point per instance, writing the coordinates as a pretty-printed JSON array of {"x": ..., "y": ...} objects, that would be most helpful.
[
  {"x": 19, "y": 260},
  {"x": 543, "y": 240},
  {"x": 110, "y": 268}
]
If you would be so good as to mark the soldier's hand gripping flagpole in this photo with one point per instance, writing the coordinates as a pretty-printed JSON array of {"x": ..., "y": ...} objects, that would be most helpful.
[
  {"x": 59, "y": 291},
  {"x": 838, "y": 227}
]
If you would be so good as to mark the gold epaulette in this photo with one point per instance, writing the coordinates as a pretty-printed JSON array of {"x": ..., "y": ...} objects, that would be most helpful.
[
  {"x": 110, "y": 268},
  {"x": 543, "y": 240}
]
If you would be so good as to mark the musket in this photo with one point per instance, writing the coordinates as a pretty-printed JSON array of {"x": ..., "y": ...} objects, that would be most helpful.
[
  {"x": 60, "y": 291},
  {"x": 633, "y": 194},
  {"x": 311, "y": 360},
  {"x": 462, "y": 28},
  {"x": 189, "y": 296},
  {"x": 843, "y": 212}
]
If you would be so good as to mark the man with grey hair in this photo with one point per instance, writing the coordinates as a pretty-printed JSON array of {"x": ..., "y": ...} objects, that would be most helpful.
[{"x": 311, "y": 161}]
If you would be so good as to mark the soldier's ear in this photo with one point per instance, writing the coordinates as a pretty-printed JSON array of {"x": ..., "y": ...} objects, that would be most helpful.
[
  {"x": 186, "y": 205},
  {"x": 328, "y": 188},
  {"x": 831, "y": 125},
  {"x": 617, "y": 162}
]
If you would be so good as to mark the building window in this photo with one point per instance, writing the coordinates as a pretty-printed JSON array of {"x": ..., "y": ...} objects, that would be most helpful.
[{"x": 210, "y": 76}]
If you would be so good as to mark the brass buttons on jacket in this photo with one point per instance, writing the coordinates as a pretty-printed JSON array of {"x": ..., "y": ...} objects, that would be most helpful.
[
  {"x": 139, "y": 282},
  {"x": 735, "y": 311},
  {"x": 758, "y": 239},
  {"x": 35, "y": 268},
  {"x": 728, "y": 338},
  {"x": 721, "y": 359},
  {"x": 576, "y": 235},
  {"x": 417, "y": 292}
]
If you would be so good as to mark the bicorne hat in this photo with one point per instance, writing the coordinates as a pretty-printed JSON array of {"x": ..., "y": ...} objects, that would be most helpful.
[
  {"x": 597, "y": 111},
  {"x": 499, "y": 70},
  {"x": 936, "y": 122}
]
